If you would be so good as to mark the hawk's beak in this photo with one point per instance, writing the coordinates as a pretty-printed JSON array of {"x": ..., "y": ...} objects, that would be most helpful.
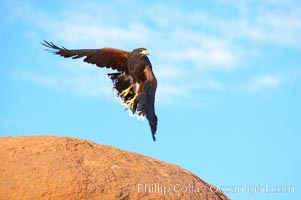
[{"x": 144, "y": 52}]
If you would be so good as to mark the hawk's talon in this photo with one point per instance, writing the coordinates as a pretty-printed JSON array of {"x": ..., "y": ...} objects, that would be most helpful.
[
  {"x": 127, "y": 91},
  {"x": 131, "y": 102}
]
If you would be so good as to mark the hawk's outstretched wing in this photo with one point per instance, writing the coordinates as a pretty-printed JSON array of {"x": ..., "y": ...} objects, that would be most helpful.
[{"x": 104, "y": 57}]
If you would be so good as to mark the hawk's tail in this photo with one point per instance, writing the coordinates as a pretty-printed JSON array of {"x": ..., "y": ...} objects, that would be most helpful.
[{"x": 145, "y": 106}]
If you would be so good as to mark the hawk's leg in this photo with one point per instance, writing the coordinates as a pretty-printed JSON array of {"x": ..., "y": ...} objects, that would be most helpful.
[
  {"x": 131, "y": 102},
  {"x": 127, "y": 91}
]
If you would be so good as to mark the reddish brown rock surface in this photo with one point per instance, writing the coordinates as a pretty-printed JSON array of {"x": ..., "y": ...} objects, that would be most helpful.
[{"x": 50, "y": 167}]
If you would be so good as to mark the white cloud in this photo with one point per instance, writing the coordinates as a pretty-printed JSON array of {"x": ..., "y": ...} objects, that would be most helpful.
[
  {"x": 76, "y": 80},
  {"x": 170, "y": 73},
  {"x": 269, "y": 81},
  {"x": 263, "y": 82},
  {"x": 96, "y": 34},
  {"x": 205, "y": 57},
  {"x": 183, "y": 45},
  {"x": 265, "y": 22},
  {"x": 214, "y": 85}
]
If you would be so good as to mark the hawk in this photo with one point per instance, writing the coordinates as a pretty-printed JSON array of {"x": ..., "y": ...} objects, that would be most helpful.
[{"x": 134, "y": 81}]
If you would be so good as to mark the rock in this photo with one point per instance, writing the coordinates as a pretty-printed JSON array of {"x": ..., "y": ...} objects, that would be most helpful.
[{"x": 51, "y": 167}]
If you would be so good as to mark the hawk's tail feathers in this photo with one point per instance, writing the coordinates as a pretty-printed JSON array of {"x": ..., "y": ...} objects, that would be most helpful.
[{"x": 146, "y": 106}]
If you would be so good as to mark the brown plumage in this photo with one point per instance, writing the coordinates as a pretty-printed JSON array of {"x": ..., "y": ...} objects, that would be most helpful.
[{"x": 134, "y": 80}]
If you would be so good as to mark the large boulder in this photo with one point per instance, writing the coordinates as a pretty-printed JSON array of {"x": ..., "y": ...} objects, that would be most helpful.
[{"x": 51, "y": 167}]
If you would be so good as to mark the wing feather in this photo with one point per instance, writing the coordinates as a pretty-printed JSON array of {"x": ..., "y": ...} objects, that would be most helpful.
[{"x": 104, "y": 57}]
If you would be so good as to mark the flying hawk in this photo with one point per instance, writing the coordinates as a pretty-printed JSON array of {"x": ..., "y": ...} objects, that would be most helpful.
[{"x": 134, "y": 80}]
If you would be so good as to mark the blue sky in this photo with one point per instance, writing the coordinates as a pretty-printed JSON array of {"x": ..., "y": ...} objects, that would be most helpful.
[{"x": 229, "y": 75}]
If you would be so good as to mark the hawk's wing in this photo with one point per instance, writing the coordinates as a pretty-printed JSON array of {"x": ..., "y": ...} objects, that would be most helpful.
[{"x": 105, "y": 57}]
